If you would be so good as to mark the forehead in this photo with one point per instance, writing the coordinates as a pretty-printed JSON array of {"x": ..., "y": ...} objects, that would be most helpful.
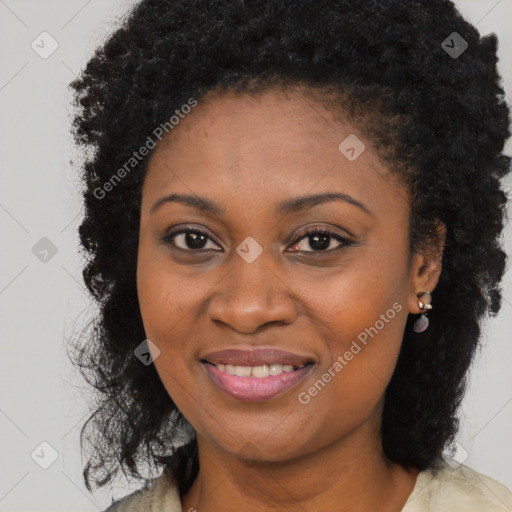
[{"x": 266, "y": 146}]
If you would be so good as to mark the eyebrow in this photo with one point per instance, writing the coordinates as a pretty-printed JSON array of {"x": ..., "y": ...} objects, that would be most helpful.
[{"x": 286, "y": 207}]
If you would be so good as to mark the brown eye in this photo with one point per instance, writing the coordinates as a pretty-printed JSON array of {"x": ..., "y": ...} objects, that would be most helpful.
[
  {"x": 189, "y": 240},
  {"x": 320, "y": 240}
]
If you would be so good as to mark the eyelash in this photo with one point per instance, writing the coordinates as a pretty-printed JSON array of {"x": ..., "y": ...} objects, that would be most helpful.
[{"x": 168, "y": 239}]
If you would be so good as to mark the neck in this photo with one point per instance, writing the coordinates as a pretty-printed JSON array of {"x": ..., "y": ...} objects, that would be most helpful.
[{"x": 351, "y": 474}]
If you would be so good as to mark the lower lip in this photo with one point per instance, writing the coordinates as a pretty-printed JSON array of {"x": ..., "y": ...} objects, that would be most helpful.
[{"x": 254, "y": 389}]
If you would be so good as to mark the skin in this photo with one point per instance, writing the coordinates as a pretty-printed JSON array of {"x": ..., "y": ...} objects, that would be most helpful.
[{"x": 247, "y": 154}]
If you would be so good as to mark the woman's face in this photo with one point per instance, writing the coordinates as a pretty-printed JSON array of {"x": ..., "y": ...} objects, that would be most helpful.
[{"x": 255, "y": 283}]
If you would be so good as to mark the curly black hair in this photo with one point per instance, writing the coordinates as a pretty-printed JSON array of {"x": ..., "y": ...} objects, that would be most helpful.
[{"x": 438, "y": 118}]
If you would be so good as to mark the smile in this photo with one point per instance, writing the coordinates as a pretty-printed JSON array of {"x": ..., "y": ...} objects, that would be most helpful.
[
  {"x": 255, "y": 383},
  {"x": 259, "y": 372}
]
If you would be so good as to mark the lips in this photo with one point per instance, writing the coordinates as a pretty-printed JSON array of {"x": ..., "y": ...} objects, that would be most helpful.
[
  {"x": 256, "y": 357},
  {"x": 257, "y": 374}
]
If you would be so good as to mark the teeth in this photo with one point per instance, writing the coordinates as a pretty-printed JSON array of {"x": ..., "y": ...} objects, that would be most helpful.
[
  {"x": 243, "y": 371},
  {"x": 260, "y": 371},
  {"x": 276, "y": 369},
  {"x": 257, "y": 371}
]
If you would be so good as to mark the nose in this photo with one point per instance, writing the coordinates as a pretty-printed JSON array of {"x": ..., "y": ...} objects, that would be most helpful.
[{"x": 252, "y": 296}]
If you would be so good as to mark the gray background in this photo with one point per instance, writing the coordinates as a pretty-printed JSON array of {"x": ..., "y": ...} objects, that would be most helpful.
[{"x": 44, "y": 302}]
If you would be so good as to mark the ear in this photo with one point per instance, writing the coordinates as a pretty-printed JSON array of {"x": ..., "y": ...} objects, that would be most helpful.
[{"x": 426, "y": 267}]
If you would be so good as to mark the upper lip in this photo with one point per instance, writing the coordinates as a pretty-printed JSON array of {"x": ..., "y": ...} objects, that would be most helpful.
[{"x": 256, "y": 357}]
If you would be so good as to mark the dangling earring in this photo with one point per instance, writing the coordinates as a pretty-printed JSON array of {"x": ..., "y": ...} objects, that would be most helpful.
[{"x": 422, "y": 323}]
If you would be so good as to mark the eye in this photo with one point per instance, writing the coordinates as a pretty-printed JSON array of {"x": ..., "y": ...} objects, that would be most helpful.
[
  {"x": 320, "y": 241},
  {"x": 189, "y": 240}
]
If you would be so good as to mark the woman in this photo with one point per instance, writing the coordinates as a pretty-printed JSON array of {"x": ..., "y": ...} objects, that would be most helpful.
[{"x": 293, "y": 212}]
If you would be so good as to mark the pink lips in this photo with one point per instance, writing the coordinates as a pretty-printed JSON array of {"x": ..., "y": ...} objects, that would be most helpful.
[{"x": 254, "y": 389}]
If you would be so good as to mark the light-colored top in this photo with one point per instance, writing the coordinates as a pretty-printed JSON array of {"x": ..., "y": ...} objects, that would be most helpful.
[{"x": 460, "y": 489}]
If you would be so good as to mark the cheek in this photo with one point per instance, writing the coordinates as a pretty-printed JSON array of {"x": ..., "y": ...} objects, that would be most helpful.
[
  {"x": 361, "y": 314},
  {"x": 166, "y": 297},
  {"x": 163, "y": 304},
  {"x": 358, "y": 360},
  {"x": 170, "y": 307},
  {"x": 358, "y": 357},
  {"x": 164, "y": 315}
]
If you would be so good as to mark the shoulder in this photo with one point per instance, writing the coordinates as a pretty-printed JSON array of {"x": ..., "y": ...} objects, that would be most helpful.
[
  {"x": 459, "y": 489},
  {"x": 158, "y": 495}
]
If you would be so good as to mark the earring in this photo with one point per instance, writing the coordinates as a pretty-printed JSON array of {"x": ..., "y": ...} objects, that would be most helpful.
[{"x": 422, "y": 323}]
